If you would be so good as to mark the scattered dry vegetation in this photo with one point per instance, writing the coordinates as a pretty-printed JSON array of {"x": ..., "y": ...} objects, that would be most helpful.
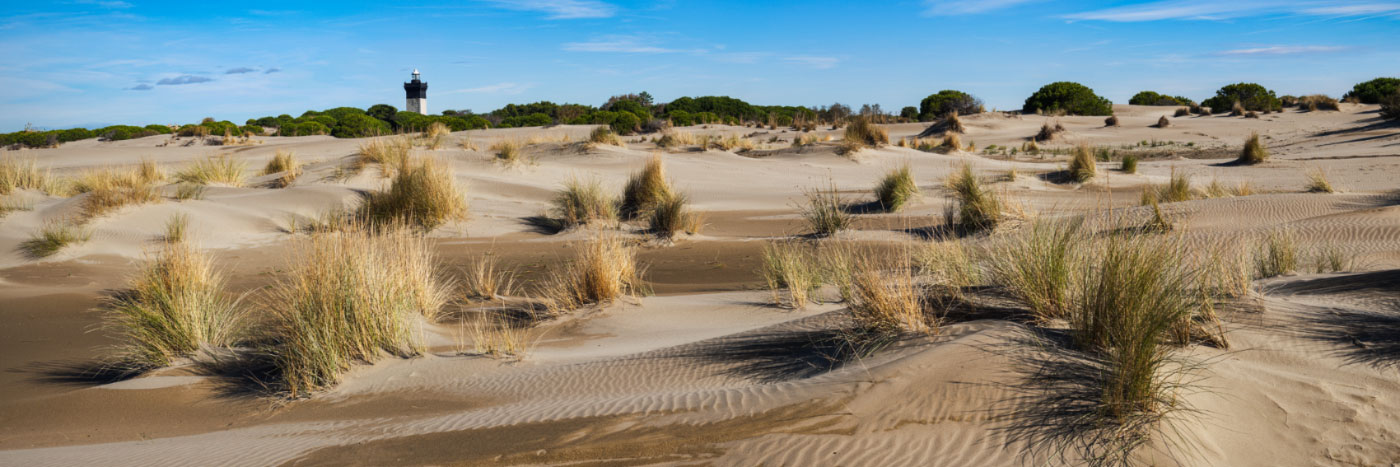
[
  {"x": 221, "y": 169},
  {"x": 52, "y": 237},
  {"x": 583, "y": 202},
  {"x": 285, "y": 163},
  {"x": 1253, "y": 152},
  {"x": 175, "y": 307},
  {"x": 1081, "y": 164},
  {"x": 604, "y": 136},
  {"x": 825, "y": 211},
  {"x": 896, "y": 188},
  {"x": 1318, "y": 183},
  {"x": 978, "y": 208},
  {"x": 424, "y": 195},
  {"x": 603, "y": 269},
  {"x": 391, "y": 153}
]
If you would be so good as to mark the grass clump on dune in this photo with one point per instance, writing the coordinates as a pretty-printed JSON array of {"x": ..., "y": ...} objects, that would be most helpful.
[
  {"x": 733, "y": 142},
  {"x": 676, "y": 139},
  {"x": 1048, "y": 132},
  {"x": 52, "y": 237},
  {"x": 645, "y": 188},
  {"x": 487, "y": 280},
  {"x": 1038, "y": 266},
  {"x": 149, "y": 171},
  {"x": 605, "y": 136},
  {"x": 390, "y": 153},
  {"x": 1081, "y": 164},
  {"x": 424, "y": 195},
  {"x": 603, "y": 269},
  {"x": 1129, "y": 164},
  {"x": 889, "y": 302},
  {"x": 583, "y": 202},
  {"x": 1277, "y": 255},
  {"x": 1318, "y": 183},
  {"x": 1253, "y": 152},
  {"x": 348, "y": 297},
  {"x": 175, "y": 307},
  {"x": 1111, "y": 121},
  {"x": 24, "y": 174},
  {"x": 108, "y": 190},
  {"x": 176, "y": 227},
  {"x": 896, "y": 188},
  {"x": 508, "y": 152},
  {"x": 861, "y": 134},
  {"x": 285, "y": 163},
  {"x": 825, "y": 211},
  {"x": 978, "y": 207},
  {"x": 1176, "y": 190},
  {"x": 951, "y": 143},
  {"x": 787, "y": 266},
  {"x": 672, "y": 215},
  {"x": 220, "y": 169},
  {"x": 435, "y": 134},
  {"x": 1163, "y": 122}
]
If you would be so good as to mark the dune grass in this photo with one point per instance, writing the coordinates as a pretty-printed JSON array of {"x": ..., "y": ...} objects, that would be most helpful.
[
  {"x": 953, "y": 124},
  {"x": 391, "y": 153},
  {"x": 285, "y": 163},
  {"x": 107, "y": 190},
  {"x": 1163, "y": 122},
  {"x": 1277, "y": 255},
  {"x": 677, "y": 139},
  {"x": 1081, "y": 164},
  {"x": 221, "y": 169},
  {"x": 508, "y": 152},
  {"x": 1129, "y": 164},
  {"x": 1182, "y": 112},
  {"x": 733, "y": 143},
  {"x": 583, "y": 202},
  {"x": 424, "y": 194},
  {"x": 1038, "y": 265},
  {"x": 1176, "y": 190},
  {"x": 348, "y": 297},
  {"x": 788, "y": 266},
  {"x": 435, "y": 135},
  {"x": 52, "y": 237},
  {"x": 149, "y": 171},
  {"x": 1331, "y": 258},
  {"x": 24, "y": 174},
  {"x": 951, "y": 143},
  {"x": 896, "y": 188},
  {"x": 603, "y": 269},
  {"x": 978, "y": 208},
  {"x": 860, "y": 133},
  {"x": 825, "y": 211},
  {"x": 188, "y": 191},
  {"x": 486, "y": 279},
  {"x": 176, "y": 306},
  {"x": 891, "y": 301},
  {"x": 672, "y": 215},
  {"x": 493, "y": 335},
  {"x": 1048, "y": 132},
  {"x": 1253, "y": 152},
  {"x": 1136, "y": 291},
  {"x": 645, "y": 189},
  {"x": 1318, "y": 183},
  {"x": 604, "y": 136},
  {"x": 176, "y": 227}
]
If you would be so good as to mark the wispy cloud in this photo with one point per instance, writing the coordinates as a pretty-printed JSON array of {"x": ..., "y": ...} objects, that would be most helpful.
[
  {"x": 105, "y": 4},
  {"x": 620, "y": 44},
  {"x": 1283, "y": 50},
  {"x": 498, "y": 88},
  {"x": 967, "y": 7},
  {"x": 820, "y": 63},
  {"x": 141, "y": 87},
  {"x": 239, "y": 70},
  {"x": 1218, "y": 10},
  {"x": 560, "y": 9},
  {"x": 183, "y": 79},
  {"x": 272, "y": 70}
]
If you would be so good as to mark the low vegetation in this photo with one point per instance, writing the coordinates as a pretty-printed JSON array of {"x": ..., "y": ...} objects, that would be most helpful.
[
  {"x": 285, "y": 163},
  {"x": 1081, "y": 164},
  {"x": 221, "y": 169},
  {"x": 672, "y": 215},
  {"x": 1038, "y": 265},
  {"x": 645, "y": 189},
  {"x": 1318, "y": 183},
  {"x": 825, "y": 211},
  {"x": 603, "y": 269},
  {"x": 52, "y": 237},
  {"x": 390, "y": 153},
  {"x": 424, "y": 195},
  {"x": 1163, "y": 122},
  {"x": 1048, "y": 132},
  {"x": 896, "y": 188},
  {"x": 604, "y": 136},
  {"x": 1243, "y": 96},
  {"x": 1253, "y": 152},
  {"x": 175, "y": 307},
  {"x": 978, "y": 208},
  {"x": 486, "y": 279},
  {"x": 1128, "y": 164},
  {"x": 787, "y": 266},
  {"x": 348, "y": 297},
  {"x": 1277, "y": 255},
  {"x": 890, "y": 301},
  {"x": 1316, "y": 102},
  {"x": 860, "y": 133},
  {"x": 24, "y": 174},
  {"x": 1069, "y": 98},
  {"x": 583, "y": 202}
]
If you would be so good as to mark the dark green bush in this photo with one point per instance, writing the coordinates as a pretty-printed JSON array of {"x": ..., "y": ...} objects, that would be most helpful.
[
  {"x": 1250, "y": 95},
  {"x": 909, "y": 112},
  {"x": 642, "y": 113},
  {"x": 156, "y": 127},
  {"x": 1390, "y": 106},
  {"x": 383, "y": 112},
  {"x": 1153, "y": 98},
  {"x": 251, "y": 129},
  {"x": 327, "y": 120},
  {"x": 680, "y": 118},
  {"x": 947, "y": 101},
  {"x": 535, "y": 119},
  {"x": 358, "y": 125},
  {"x": 122, "y": 132},
  {"x": 626, "y": 123},
  {"x": 1373, "y": 91},
  {"x": 75, "y": 134},
  {"x": 1069, "y": 97}
]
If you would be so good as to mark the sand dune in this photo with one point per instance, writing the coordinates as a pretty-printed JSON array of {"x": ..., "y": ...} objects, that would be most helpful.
[{"x": 706, "y": 370}]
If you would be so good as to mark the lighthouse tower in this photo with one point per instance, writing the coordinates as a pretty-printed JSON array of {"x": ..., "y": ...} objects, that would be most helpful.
[{"x": 417, "y": 92}]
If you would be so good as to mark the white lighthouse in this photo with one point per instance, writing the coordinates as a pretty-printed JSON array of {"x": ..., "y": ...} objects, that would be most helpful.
[{"x": 417, "y": 95}]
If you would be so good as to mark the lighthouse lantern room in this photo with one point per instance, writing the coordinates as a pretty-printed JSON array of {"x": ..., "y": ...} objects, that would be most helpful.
[{"x": 417, "y": 94}]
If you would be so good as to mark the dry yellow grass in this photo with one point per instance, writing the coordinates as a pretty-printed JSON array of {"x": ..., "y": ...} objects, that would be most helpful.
[
  {"x": 487, "y": 280},
  {"x": 391, "y": 153},
  {"x": 285, "y": 163},
  {"x": 349, "y": 297},
  {"x": 889, "y": 301},
  {"x": 177, "y": 305},
  {"x": 221, "y": 169},
  {"x": 677, "y": 139},
  {"x": 604, "y": 136},
  {"x": 603, "y": 269},
  {"x": 1081, "y": 164},
  {"x": 425, "y": 195},
  {"x": 645, "y": 188},
  {"x": 788, "y": 266},
  {"x": 17, "y": 173}
]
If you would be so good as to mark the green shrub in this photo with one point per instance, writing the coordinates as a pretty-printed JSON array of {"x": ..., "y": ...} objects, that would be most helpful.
[
  {"x": 1251, "y": 96},
  {"x": 680, "y": 118},
  {"x": 1071, "y": 98},
  {"x": 626, "y": 123},
  {"x": 1129, "y": 164},
  {"x": 1153, "y": 98},
  {"x": 1374, "y": 91},
  {"x": 947, "y": 101},
  {"x": 535, "y": 119},
  {"x": 158, "y": 128},
  {"x": 359, "y": 126},
  {"x": 1390, "y": 107}
]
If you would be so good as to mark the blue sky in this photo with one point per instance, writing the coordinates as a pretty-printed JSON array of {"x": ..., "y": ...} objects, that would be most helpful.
[{"x": 92, "y": 62}]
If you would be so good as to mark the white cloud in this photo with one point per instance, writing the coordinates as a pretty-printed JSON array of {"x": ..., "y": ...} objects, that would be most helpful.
[
  {"x": 560, "y": 9},
  {"x": 616, "y": 44},
  {"x": 1218, "y": 10},
  {"x": 1283, "y": 50},
  {"x": 967, "y": 7},
  {"x": 820, "y": 63}
]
